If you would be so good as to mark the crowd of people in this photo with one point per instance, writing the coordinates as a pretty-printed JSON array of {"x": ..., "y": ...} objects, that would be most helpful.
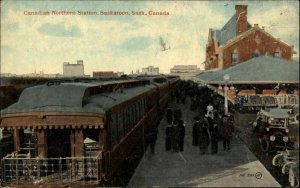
[
  {"x": 208, "y": 131},
  {"x": 210, "y": 125},
  {"x": 175, "y": 131}
]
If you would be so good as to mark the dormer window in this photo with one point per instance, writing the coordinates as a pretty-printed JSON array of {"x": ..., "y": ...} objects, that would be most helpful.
[
  {"x": 256, "y": 53},
  {"x": 235, "y": 58}
]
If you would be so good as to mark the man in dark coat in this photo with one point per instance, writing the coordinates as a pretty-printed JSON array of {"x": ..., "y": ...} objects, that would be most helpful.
[
  {"x": 168, "y": 137},
  {"x": 204, "y": 136},
  {"x": 181, "y": 134},
  {"x": 169, "y": 116},
  {"x": 214, "y": 138},
  {"x": 226, "y": 131},
  {"x": 152, "y": 137},
  {"x": 196, "y": 130},
  {"x": 258, "y": 124},
  {"x": 175, "y": 138}
]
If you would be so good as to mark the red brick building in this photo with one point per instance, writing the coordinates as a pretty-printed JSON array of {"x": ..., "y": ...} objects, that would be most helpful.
[
  {"x": 100, "y": 74},
  {"x": 238, "y": 41}
]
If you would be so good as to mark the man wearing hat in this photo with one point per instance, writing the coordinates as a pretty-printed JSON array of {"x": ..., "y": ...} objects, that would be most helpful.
[
  {"x": 181, "y": 134},
  {"x": 214, "y": 137},
  {"x": 196, "y": 128},
  {"x": 204, "y": 135}
]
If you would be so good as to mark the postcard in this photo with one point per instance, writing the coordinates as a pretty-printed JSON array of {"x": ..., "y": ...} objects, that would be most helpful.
[{"x": 149, "y": 93}]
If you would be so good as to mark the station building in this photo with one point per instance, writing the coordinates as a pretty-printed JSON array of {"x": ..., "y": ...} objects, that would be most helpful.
[
  {"x": 186, "y": 72},
  {"x": 238, "y": 41}
]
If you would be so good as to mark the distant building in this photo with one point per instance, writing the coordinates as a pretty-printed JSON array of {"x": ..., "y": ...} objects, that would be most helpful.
[
  {"x": 120, "y": 73},
  {"x": 7, "y": 75},
  {"x": 76, "y": 70},
  {"x": 150, "y": 70},
  {"x": 101, "y": 74},
  {"x": 238, "y": 41},
  {"x": 186, "y": 72},
  {"x": 41, "y": 75},
  {"x": 32, "y": 75}
]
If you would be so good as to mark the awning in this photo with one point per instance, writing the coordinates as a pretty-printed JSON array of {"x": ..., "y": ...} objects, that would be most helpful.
[
  {"x": 258, "y": 70},
  {"x": 52, "y": 122}
]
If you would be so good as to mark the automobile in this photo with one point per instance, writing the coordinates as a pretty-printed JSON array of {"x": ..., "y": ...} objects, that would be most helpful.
[{"x": 274, "y": 129}]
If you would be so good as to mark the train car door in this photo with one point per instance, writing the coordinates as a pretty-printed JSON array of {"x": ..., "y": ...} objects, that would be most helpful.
[{"x": 58, "y": 142}]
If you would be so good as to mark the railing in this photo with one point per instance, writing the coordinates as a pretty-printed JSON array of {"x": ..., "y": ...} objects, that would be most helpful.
[
  {"x": 268, "y": 100},
  {"x": 21, "y": 169}
]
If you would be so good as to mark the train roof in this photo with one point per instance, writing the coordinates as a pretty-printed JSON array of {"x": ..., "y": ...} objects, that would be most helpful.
[
  {"x": 60, "y": 97},
  {"x": 77, "y": 97},
  {"x": 108, "y": 100}
]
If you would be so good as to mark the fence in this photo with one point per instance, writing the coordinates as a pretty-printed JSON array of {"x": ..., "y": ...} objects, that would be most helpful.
[
  {"x": 267, "y": 100},
  {"x": 21, "y": 169}
]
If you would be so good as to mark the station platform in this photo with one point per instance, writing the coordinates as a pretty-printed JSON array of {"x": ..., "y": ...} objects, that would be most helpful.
[{"x": 235, "y": 168}]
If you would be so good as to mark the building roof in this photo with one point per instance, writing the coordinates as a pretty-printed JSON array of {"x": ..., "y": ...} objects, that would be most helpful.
[
  {"x": 228, "y": 31},
  {"x": 263, "y": 69}
]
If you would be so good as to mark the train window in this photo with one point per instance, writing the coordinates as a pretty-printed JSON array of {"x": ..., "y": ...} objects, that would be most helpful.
[
  {"x": 124, "y": 122},
  {"x": 133, "y": 115},
  {"x": 120, "y": 125},
  {"x": 136, "y": 115},
  {"x": 127, "y": 121},
  {"x": 129, "y": 118},
  {"x": 27, "y": 140},
  {"x": 113, "y": 131},
  {"x": 140, "y": 109},
  {"x": 117, "y": 127},
  {"x": 143, "y": 107}
]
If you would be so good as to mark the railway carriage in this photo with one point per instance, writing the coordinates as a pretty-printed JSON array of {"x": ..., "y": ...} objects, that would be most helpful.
[{"x": 80, "y": 133}]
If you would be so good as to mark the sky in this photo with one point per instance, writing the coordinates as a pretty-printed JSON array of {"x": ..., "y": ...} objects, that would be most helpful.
[{"x": 125, "y": 43}]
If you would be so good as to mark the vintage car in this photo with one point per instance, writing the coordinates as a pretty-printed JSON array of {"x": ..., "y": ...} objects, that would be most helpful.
[{"x": 275, "y": 129}]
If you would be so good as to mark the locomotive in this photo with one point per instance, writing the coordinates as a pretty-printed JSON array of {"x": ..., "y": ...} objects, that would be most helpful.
[{"x": 80, "y": 133}]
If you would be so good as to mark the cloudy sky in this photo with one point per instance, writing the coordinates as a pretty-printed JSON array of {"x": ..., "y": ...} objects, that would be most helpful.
[{"x": 126, "y": 43}]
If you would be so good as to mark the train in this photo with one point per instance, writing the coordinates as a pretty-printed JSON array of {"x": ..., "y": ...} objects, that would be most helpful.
[{"x": 81, "y": 133}]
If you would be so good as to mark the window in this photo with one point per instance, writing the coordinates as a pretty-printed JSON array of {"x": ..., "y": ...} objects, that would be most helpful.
[
  {"x": 256, "y": 53},
  {"x": 277, "y": 54},
  {"x": 235, "y": 57},
  {"x": 113, "y": 130},
  {"x": 120, "y": 125}
]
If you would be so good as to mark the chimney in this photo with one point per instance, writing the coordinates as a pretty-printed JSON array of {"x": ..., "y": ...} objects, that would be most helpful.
[{"x": 241, "y": 18}]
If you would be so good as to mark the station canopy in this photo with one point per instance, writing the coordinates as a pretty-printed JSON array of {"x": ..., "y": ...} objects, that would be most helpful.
[{"x": 258, "y": 70}]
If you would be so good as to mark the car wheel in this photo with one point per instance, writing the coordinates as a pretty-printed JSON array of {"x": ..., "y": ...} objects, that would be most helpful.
[
  {"x": 286, "y": 167},
  {"x": 278, "y": 160},
  {"x": 264, "y": 143}
]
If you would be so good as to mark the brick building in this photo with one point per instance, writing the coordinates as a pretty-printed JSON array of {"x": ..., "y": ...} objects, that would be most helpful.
[
  {"x": 100, "y": 74},
  {"x": 238, "y": 41}
]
